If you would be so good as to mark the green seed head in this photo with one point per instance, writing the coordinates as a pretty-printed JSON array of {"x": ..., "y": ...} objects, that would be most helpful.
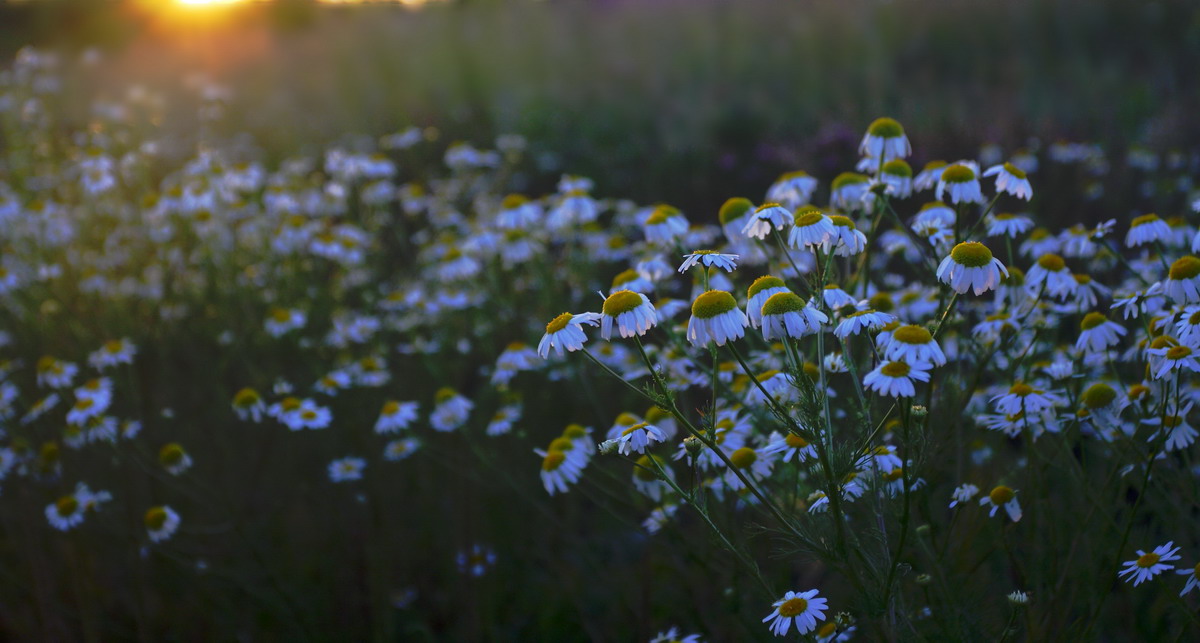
[
  {"x": 1186, "y": 267},
  {"x": 1143, "y": 220},
  {"x": 1092, "y": 320},
  {"x": 897, "y": 167},
  {"x": 1014, "y": 170},
  {"x": 886, "y": 128},
  {"x": 958, "y": 173},
  {"x": 661, "y": 213},
  {"x": 621, "y": 301},
  {"x": 763, "y": 283},
  {"x": 1052, "y": 262},
  {"x": 1099, "y": 395},
  {"x": 912, "y": 335},
  {"x": 848, "y": 178}
]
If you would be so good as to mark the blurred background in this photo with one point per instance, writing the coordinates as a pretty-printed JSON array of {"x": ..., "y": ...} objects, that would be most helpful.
[{"x": 683, "y": 101}]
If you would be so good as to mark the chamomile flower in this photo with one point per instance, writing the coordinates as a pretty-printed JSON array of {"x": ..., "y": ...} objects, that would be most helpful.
[
  {"x": 673, "y": 636},
  {"x": 450, "y": 410},
  {"x": 837, "y": 298},
  {"x": 1023, "y": 398},
  {"x": 971, "y": 266},
  {"x": 66, "y": 513},
  {"x": 55, "y": 373},
  {"x": 914, "y": 344},
  {"x": 397, "y": 450},
  {"x": 646, "y": 476},
  {"x": 1149, "y": 565},
  {"x": 810, "y": 229},
  {"x": 792, "y": 189},
  {"x": 1171, "y": 358},
  {"x": 565, "y": 332},
  {"x": 1183, "y": 280},
  {"x": 962, "y": 494},
  {"x": 767, "y": 217},
  {"x": 1193, "y": 578},
  {"x": 897, "y": 178},
  {"x": 1180, "y": 434},
  {"x": 664, "y": 225},
  {"x": 846, "y": 240},
  {"x": 791, "y": 446},
  {"x": 297, "y": 414},
  {"x": 961, "y": 182},
  {"x": 860, "y": 320},
  {"x": 895, "y": 378},
  {"x": 1011, "y": 179},
  {"x": 802, "y": 608},
  {"x": 786, "y": 315},
  {"x": 759, "y": 292},
  {"x": 1147, "y": 228},
  {"x": 733, "y": 215},
  {"x": 346, "y": 469},
  {"x": 1002, "y": 496},
  {"x": 636, "y": 438},
  {"x": 1008, "y": 225},
  {"x": 929, "y": 175},
  {"x": 476, "y": 560},
  {"x": 709, "y": 258},
  {"x": 395, "y": 416},
  {"x": 632, "y": 312},
  {"x": 112, "y": 353},
  {"x": 161, "y": 523},
  {"x": 249, "y": 405},
  {"x": 715, "y": 317},
  {"x": 847, "y": 190},
  {"x": 503, "y": 420},
  {"x": 283, "y": 320},
  {"x": 1098, "y": 333},
  {"x": 174, "y": 458}
]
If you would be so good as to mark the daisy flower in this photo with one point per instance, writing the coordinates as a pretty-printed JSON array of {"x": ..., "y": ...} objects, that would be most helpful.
[
  {"x": 503, "y": 420},
  {"x": 897, "y": 177},
  {"x": 112, "y": 353},
  {"x": 395, "y": 416},
  {"x": 476, "y": 560},
  {"x": 564, "y": 332},
  {"x": 632, "y": 312},
  {"x": 397, "y": 450},
  {"x": 709, "y": 258},
  {"x": 847, "y": 190},
  {"x": 1147, "y": 228},
  {"x": 846, "y": 240},
  {"x": 1003, "y": 496},
  {"x": 961, "y": 182},
  {"x": 962, "y": 494},
  {"x": 895, "y": 378},
  {"x": 971, "y": 265},
  {"x": 55, "y": 373},
  {"x": 803, "y": 608},
  {"x": 1183, "y": 280},
  {"x": 66, "y": 513},
  {"x": 810, "y": 228},
  {"x": 174, "y": 459},
  {"x": 1098, "y": 333},
  {"x": 1008, "y": 225},
  {"x": 791, "y": 446},
  {"x": 1149, "y": 565},
  {"x": 1173, "y": 358},
  {"x": 283, "y": 320},
  {"x": 249, "y": 405},
  {"x": 715, "y": 317},
  {"x": 786, "y": 315},
  {"x": 672, "y": 636},
  {"x": 837, "y": 298},
  {"x": 1193, "y": 578},
  {"x": 1050, "y": 271},
  {"x": 768, "y": 216},
  {"x": 929, "y": 175},
  {"x": 450, "y": 410},
  {"x": 856, "y": 322},
  {"x": 1180, "y": 434},
  {"x": 733, "y": 216},
  {"x": 646, "y": 476},
  {"x": 792, "y": 189},
  {"x": 637, "y": 437},
  {"x": 664, "y": 225},
  {"x": 885, "y": 138},
  {"x": 753, "y": 464},
  {"x": 161, "y": 523},
  {"x": 759, "y": 292},
  {"x": 1022, "y": 397},
  {"x": 914, "y": 344},
  {"x": 1011, "y": 179},
  {"x": 558, "y": 470}
]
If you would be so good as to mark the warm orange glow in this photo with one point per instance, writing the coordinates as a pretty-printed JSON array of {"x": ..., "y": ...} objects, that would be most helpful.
[{"x": 205, "y": 3}]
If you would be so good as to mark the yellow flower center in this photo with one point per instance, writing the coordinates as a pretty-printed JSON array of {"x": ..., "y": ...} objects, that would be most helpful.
[
  {"x": 958, "y": 173},
  {"x": 1014, "y": 170},
  {"x": 763, "y": 283},
  {"x": 647, "y": 471},
  {"x": 620, "y": 302},
  {"x": 444, "y": 394},
  {"x": 574, "y": 432},
  {"x": 553, "y": 460},
  {"x": 713, "y": 303},
  {"x": 171, "y": 454},
  {"x": 733, "y": 209},
  {"x": 1052, "y": 262},
  {"x": 625, "y": 277},
  {"x": 246, "y": 397},
  {"x": 1178, "y": 352},
  {"x": 793, "y": 607},
  {"x": 782, "y": 302},
  {"x": 847, "y": 178},
  {"x": 886, "y": 128},
  {"x": 1143, "y": 220},
  {"x": 795, "y": 442},
  {"x": 513, "y": 201},
  {"x": 895, "y": 369},
  {"x": 1186, "y": 267},
  {"x": 558, "y": 323},
  {"x": 971, "y": 254},
  {"x": 806, "y": 217},
  {"x": 66, "y": 506},
  {"x": 1099, "y": 395},
  {"x": 912, "y": 334},
  {"x": 1092, "y": 320},
  {"x": 1147, "y": 560},
  {"x": 743, "y": 457},
  {"x": 1001, "y": 495},
  {"x": 897, "y": 167},
  {"x": 391, "y": 407},
  {"x": 661, "y": 214},
  {"x": 636, "y": 427},
  {"x": 155, "y": 518}
]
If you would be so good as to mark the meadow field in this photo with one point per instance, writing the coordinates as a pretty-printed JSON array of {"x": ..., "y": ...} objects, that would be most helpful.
[{"x": 599, "y": 321}]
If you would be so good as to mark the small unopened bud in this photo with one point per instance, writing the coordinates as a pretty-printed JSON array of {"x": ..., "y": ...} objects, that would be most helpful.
[
  {"x": 693, "y": 445},
  {"x": 1018, "y": 598},
  {"x": 918, "y": 411},
  {"x": 608, "y": 447}
]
